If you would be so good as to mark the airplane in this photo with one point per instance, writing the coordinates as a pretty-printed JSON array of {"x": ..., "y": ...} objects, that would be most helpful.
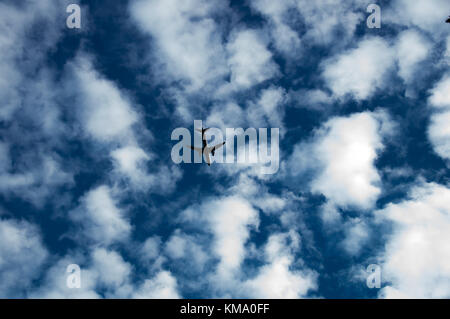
[{"x": 206, "y": 150}]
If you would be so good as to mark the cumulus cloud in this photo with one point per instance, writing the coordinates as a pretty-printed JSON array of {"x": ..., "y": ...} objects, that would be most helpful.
[
  {"x": 27, "y": 89},
  {"x": 249, "y": 59},
  {"x": 100, "y": 218},
  {"x": 357, "y": 233},
  {"x": 343, "y": 153},
  {"x": 150, "y": 248},
  {"x": 359, "y": 71},
  {"x": 130, "y": 161},
  {"x": 103, "y": 274},
  {"x": 106, "y": 112},
  {"x": 230, "y": 220},
  {"x": 440, "y": 94},
  {"x": 324, "y": 17},
  {"x": 33, "y": 183},
  {"x": 188, "y": 39},
  {"x": 439, "y": 130},
  {"x": 412, "y": 48},
  {"x": 415, "y": 258},
  {"x": 268, "y": 111},
  {"x": 439, "y": 133},
  {"x": 348, "y": 150},
  {"x": 429, "y": 15},
  {"x": 339, "y": 163},
  {"x": 109, "y": 118},
  {"x": 181, "y": 246},
  {"x": 447, "y": 50},
  {"x": 196, "y": 56},
  {"x": 162, "y": 286},
  {"x": 285, "y": 38},
  {"x": 277, "y": 279},
  {"x": 315, "y": 99},
  {"x": 113, "y": 271},
  {"x": 22, "y": 255},
  {"x": 54, "y": 284},
  {"x": 16, "y": 23},
  {"x": 195, "y": 50},
  {"x": 226, "y": 115}
]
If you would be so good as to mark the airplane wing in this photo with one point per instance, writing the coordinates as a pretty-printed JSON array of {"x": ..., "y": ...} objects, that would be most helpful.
[
  {"x": 216, "y": 147},
  {"x": 198, "y": 149}
]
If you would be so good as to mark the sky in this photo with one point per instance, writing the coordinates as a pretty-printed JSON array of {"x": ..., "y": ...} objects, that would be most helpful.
[{"x": 87, "y": 177}]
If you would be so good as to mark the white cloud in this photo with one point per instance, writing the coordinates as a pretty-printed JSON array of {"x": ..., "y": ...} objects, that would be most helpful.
[
  {"x": 176, "y": 246},
  {"x": 22, "y": 255},
  {"x": 429, "y": 15},
  {"x": 130, "y": 161},
  {"x": 36, "y": 183},
  {"x": 285, "y": 38},
  {"x": 249, "y": 59},
  {"x": 54, "y": 284},
  {"x": 415, "y": 259},
  {"x": 5, "y": 161},
  {"x": 439, "y": 130},
  {"x": 357, "y": 234},
  {"x": 440, "y": 94},
  {"x": 315, "y": 99},
  {"x": 447, "y": 50},
  {"x": 113, "y": 271},
  {"x": 412, "y": 48},
  {"x": 230, "y": 220},
  {"x": 181, "y": 246},
  {"x": 101, "y": 220},
  {"x": 188, "y": 39},
  {"x": 324, "y": 17},
  {"x": 268, "y": 110},
  {"x": 277, "y": 279},
  {"x": 150, "y": 248},
  {"x": 28, "y": 96},
  {"x": 104, "y": 274},
  {"x": 162, "y": 286},
  {"x": 347, "y": 147},
  {"x": 439, "y": 133},
  {"x": 106, "y": 113},
  {"x": 228, "y": 115},
  {"x": 360, "y": 71},
  {"x": 108, "y": 117},
  {"x": 16, "y": 23}
]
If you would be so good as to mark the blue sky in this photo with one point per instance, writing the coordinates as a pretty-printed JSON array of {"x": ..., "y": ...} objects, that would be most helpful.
[{"x": 86, "y": 175}]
